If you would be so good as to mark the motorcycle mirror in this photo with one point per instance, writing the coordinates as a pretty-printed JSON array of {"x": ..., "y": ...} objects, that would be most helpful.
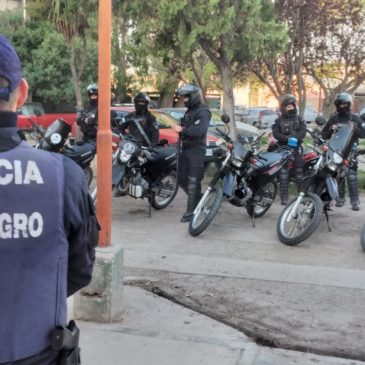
[
  {"x": 320, "y": 120},
  {"x": 225, "y": 118}
]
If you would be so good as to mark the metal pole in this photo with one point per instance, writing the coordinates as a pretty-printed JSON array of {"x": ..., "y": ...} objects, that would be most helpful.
[{"x": 104, "y": 136}]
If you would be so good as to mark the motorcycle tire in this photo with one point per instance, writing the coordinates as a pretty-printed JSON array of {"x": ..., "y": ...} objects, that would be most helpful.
[
  {"x": 312, "y": 207},
  {"x": 173, "y": 187},
  {"x": 257, "y": 209},
  {"x": 209, "y": 209},
  {"x": 88, "y": 171},
  {"x": 362, "y": 239}
]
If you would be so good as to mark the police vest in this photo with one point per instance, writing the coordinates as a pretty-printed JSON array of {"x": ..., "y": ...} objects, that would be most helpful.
[{"x": 33, "y": 250}]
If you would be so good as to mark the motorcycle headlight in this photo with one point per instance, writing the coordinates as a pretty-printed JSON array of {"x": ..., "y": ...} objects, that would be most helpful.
[
  {"x": 332, "y": 166},
  {"x": 219, "y": 142},
  {"x": 124, "y": 156},
  {"x": 337, "y": 158},
  {"x": 237, "y": 163}
]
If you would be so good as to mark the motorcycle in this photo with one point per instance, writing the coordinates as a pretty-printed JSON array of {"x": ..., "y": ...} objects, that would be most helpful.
[
  {"x": 247, "y": 179},
  {"x": 54, "y": 140},
  {"x": 301, "y": 217},
  {"x": 144, "y": 172}
]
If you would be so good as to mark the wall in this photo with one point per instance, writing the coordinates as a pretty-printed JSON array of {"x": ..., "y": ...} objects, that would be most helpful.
[{"x": 10, "y": 4}]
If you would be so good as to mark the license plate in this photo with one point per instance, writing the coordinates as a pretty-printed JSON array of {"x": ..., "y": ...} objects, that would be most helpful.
[{"x": 209, "y": 152}]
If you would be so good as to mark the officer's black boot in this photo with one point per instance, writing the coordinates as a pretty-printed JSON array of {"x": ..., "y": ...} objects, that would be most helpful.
[
  {"x": 298, "y": 178},
  {"x": 194, "y": 195},
  {"x": 284, "y": 186},
  {"x": 353, "y": 191},
  {"x": 341, "y": 192}
]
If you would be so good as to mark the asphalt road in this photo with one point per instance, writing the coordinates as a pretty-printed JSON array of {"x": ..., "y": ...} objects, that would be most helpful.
[{"x": 308, "y": 298}]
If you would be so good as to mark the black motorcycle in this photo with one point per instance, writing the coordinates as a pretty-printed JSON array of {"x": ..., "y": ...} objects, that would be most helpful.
[
  {"x": 54, "y": 140},
  {"x": 141, "y": 171},
  {"x": 246, "y": 179},
  {"x": 301, "y": 217}
]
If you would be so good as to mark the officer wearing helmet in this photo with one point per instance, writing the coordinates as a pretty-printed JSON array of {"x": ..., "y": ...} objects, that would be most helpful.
[
  {"x": 87, "y": 119},
  {"x": 141, "y": 123},
  {"x": 290, "y": 129},
  {"x": 343, "y": 115},
  {"x": 193, "y": 129}
]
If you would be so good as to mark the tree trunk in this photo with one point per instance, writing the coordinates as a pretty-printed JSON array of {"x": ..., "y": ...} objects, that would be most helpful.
[
  {"x": 302, "y": 93},
  {"x": 168, "y": 92},
  {"x": 75, "y": 74},
  {"x": 228, "y": 97},
  {"x": 328, "y": 106}
]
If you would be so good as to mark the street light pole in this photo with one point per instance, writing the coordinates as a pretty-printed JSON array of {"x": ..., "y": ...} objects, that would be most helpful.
[{"x": 104, "y": 136}]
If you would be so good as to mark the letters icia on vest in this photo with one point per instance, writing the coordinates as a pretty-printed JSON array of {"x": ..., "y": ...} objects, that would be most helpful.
[{"x": 20, "y": 174}]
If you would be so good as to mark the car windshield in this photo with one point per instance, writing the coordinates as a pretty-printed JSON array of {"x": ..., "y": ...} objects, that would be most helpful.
[{"x": 164, "y": 120}]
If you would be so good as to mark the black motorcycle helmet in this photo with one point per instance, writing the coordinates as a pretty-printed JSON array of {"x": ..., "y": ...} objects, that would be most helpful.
[
  {"x": 285, "y": 100},
  {"x": 92, "y": 90},
  {"x": 343, "y": 102},
  {"x": 193, "y": 92},
  {"x": 141, "y": 101}
]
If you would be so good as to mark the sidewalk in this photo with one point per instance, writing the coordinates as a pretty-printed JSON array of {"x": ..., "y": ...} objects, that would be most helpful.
[{"x": 156, "y": 331}]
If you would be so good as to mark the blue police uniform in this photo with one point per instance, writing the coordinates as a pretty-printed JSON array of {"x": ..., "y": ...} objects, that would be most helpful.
[{"x": 48, "y": 234}]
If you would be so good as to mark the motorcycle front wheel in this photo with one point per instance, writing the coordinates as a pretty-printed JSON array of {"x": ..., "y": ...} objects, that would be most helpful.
[
  {"x": 298, "y": 221},
  {"x": 206, "y": 210},
  {"x": 362, "y": 239},
  {"x": 262, "y": 200},
  {"x": 165, "y": 192}
]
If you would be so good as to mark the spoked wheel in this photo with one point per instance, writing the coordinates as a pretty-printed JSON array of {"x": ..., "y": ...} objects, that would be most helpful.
[
  {"x": 262, "y": 200},
  {"x": 88, "y": 171},
  {"x": 299, "y": 219},
  {"x": 362, "y": 238},
  {"x": 165, "y": 192},
  {"x": 206, "y": 210}
]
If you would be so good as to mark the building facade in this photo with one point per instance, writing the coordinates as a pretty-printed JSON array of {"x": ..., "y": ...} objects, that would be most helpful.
[{"x": 11, "y": 4}]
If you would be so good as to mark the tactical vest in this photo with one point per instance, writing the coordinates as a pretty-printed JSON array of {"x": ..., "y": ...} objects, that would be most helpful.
[{"x": 33, "y": 251}]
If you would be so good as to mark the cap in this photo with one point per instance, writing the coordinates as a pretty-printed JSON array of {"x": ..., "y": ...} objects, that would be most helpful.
[{"x": 10, "y": 68}]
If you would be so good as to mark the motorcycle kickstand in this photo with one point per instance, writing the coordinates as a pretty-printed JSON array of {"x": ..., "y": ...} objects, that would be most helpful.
[
  {"x": 253, "y": 221},
  {"x": 149, "y": 207},
  {"x": 327, "y": 219}
]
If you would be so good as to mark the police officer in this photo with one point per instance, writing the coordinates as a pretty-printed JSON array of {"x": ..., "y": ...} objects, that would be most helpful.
[
  {"x": 48, "y": 232},
  {"x": 290, "y": 129},
  {"x": 87, "y": 119},
  {"x": 193, "y": 129},
  {"x": 343, "y": 115},
  {"x": 141, "y": 122}
]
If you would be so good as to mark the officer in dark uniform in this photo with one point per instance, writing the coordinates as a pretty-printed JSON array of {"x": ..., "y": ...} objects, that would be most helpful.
[
  {"x": 290, "y": 129},
  {"x": 48, "y": 232},
  {"x": 87, "y": 119},
  {"x": 193, "y": 129},
  {"x": 145, "y": 119},
  {"x": 343, "y": 115}
]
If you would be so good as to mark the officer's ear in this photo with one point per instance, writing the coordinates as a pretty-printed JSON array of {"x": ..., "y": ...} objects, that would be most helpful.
[{"x": 22, "y": 93}]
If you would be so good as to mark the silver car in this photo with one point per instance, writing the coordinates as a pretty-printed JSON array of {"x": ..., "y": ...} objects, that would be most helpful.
[{"x": 259, "y": 117}]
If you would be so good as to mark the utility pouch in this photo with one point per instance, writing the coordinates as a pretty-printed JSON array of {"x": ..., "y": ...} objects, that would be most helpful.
[{"x": 65, "y": 340}]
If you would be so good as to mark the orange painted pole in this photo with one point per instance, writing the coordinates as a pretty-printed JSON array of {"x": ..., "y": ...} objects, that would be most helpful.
[{"x": 104, "y": 136}]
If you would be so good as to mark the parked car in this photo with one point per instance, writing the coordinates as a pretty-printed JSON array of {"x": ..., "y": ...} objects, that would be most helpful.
[
  {"x": 165, "y": 122},
  {"x": 310, "y": 114},
  {"x": 259, "y": 117},
  {"x": 178, "y": 113}
]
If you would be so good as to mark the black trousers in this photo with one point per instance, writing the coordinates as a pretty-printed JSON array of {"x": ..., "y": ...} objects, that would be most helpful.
[{"x": 191, "y": 164}]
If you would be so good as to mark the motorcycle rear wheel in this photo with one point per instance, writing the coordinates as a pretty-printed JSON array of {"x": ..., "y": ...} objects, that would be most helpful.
[
  {"x": 256, "y": 207},
  {"x": 362, "y": 239},
  {"x": 167, "y": 191},
  {"x": 304, "y": 222},
  {"x": 206, "y": 212}
]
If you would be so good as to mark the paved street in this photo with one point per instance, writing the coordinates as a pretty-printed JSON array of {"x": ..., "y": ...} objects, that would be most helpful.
[{"x": 307, "y": 298}]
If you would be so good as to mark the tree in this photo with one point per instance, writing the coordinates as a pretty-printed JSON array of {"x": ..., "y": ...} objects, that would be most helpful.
[
  {"x": 336, "y": 53},
  {"x": 231, "y": 33},
  {"x": 283, "y": 72},
  {"x": 71, "y": 19}
]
